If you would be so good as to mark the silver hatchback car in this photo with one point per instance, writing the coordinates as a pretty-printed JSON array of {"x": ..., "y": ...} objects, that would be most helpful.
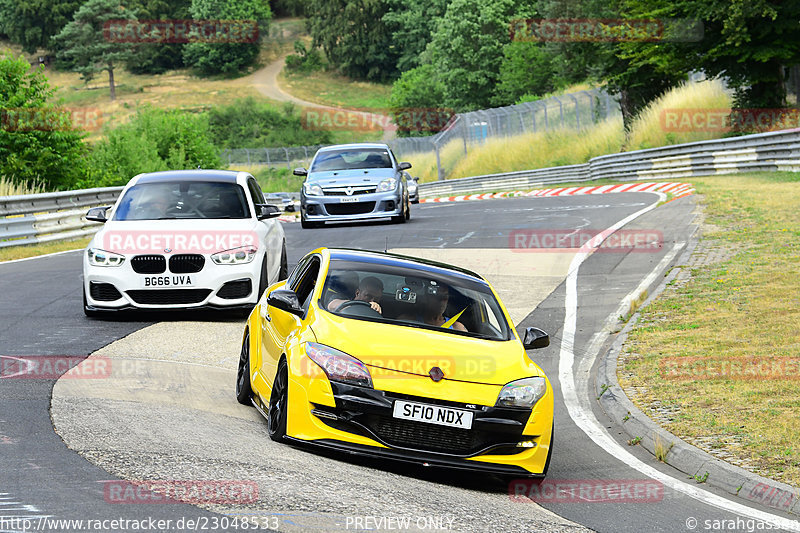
[{"x": 348, "y": 182}]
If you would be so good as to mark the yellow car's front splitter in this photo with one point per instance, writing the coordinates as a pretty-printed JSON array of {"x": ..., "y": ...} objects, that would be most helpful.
[{"x": 508, "y": 441}]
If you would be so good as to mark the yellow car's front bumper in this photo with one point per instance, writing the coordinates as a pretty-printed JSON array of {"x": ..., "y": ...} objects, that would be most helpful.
[{"x": 509, "y": 441}]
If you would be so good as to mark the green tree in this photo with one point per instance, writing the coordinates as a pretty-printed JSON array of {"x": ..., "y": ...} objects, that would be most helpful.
[
  {"x": 412, "y": 23},
  {"x": 466, "y": 50},
  {"x": 154, "y": 139},
  {"x": 354, "y": 37},
  {"x": 749, "y": 43},
  {"x": 37, "y": 141},
  {"x": 288, "y": 8},
  {"x": 526, "y": 69},
  {"x": 227, "y": 57},
  {"x": 32, "y": 23},
  {"x": 417, "y": 92},
  {"x": 83, "y": 45},
  {"x": 156, "y": 58}
]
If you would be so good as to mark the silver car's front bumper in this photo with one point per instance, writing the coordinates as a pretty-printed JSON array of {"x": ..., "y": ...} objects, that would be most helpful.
[{"x": 357, "y": 207}]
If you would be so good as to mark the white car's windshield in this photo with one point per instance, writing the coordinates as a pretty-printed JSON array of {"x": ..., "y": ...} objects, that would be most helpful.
[
  {"x": 414, "y": 297},
  {"x": 183, "y": 199},
  {"x": 352, "y": 159}
]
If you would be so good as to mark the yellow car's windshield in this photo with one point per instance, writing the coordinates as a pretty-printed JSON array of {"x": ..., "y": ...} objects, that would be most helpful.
[{"x": 419, "y": 297}]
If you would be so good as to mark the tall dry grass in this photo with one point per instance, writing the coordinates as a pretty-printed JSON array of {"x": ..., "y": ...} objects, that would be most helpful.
[
  {"x": 9, "y": 188},
  {"x": 651, "y": 129},
  {"x": 541, "y": 149}
]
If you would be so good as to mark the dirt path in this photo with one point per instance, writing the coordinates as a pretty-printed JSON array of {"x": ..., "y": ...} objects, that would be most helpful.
[{"x": 265, "y": 81}]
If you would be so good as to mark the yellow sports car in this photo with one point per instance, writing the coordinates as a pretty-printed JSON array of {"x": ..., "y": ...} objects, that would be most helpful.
[{"x": 397, "y": 357}]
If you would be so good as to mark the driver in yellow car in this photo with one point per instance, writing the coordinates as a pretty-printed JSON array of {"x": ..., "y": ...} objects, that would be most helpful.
[{"x": 369, "y": 290}]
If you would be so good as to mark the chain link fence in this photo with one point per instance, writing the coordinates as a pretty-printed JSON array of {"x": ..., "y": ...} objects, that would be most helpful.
[
  {"x": 574, "y": 111},
  {"x": 288, "y": 157}
]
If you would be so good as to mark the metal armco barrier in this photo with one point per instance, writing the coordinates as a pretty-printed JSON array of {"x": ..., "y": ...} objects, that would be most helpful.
[
  {"x": 773, "y": 151},
  {"x": 34, "y": 218}
]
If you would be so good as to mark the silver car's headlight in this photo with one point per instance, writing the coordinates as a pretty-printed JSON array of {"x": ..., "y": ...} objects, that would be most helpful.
[
  {"x": 522, "y": 393},
  {"x": 312, "y": 189},
  {"x": 236, "y": 256},
  {"x": 102, "y": 258},
  {"x": 388, "y": 184}
]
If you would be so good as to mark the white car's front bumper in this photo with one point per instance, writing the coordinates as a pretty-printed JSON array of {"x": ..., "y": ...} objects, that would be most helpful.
[{"x": 215, "y": 286}]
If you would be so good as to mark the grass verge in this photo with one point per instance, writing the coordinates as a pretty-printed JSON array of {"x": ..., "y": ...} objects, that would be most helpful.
[
  {"x": 33, "y": 250},
  {"x": 329, "y": 88},
  {"x": 716, "y": 357}
]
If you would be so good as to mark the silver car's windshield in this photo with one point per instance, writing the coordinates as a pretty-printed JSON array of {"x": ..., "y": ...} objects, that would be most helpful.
[
  {"x": 183, "y": 199},
  {"x": 408, "y": 296},
  {"x": 352, "y": 159}
]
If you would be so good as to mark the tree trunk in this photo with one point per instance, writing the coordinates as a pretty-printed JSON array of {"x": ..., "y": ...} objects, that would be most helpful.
[{"x": 111, "y": 81}]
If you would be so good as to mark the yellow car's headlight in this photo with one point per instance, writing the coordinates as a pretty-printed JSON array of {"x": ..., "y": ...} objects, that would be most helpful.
[
  {"x": 102, "y": 258},
  {"x": 522, "y": 393},
  {"x": 339, "y": 366}
]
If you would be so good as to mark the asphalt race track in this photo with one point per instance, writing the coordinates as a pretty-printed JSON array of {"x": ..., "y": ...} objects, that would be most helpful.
[{"x": 176, "y": 418}]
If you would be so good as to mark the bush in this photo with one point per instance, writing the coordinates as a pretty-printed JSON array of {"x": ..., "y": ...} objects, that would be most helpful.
[
  {"x": 153, "y": 140},
  {"x": 249, "y": 123},
  {"x": 37, "y": 142},
  {"x": 304, "y": 60}
]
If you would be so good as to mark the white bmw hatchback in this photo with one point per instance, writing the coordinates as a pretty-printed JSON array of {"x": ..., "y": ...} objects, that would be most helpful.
[{"x": 184, "y": 239}]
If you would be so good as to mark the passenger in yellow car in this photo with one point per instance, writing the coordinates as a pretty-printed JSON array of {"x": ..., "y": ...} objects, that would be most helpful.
[
  {"x": 434, "y": 304},
  {"x": 369, "y": 290}
]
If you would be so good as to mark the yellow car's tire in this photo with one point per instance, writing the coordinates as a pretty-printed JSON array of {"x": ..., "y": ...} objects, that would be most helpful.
[
  {"x": 278, "y": 403},
  {"x": 244, "y": 390}
]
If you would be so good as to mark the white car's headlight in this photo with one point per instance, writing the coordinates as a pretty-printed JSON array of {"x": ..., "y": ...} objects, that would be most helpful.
[
  {"x": 388, "y": 184},
  {"x": 339, "y": 366},
  {"x": 312, "y": 189},
  {"x": 236, "y": 256},
  {"x": 522, "y": 393},
  {"x": 102, "y": 258}
]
